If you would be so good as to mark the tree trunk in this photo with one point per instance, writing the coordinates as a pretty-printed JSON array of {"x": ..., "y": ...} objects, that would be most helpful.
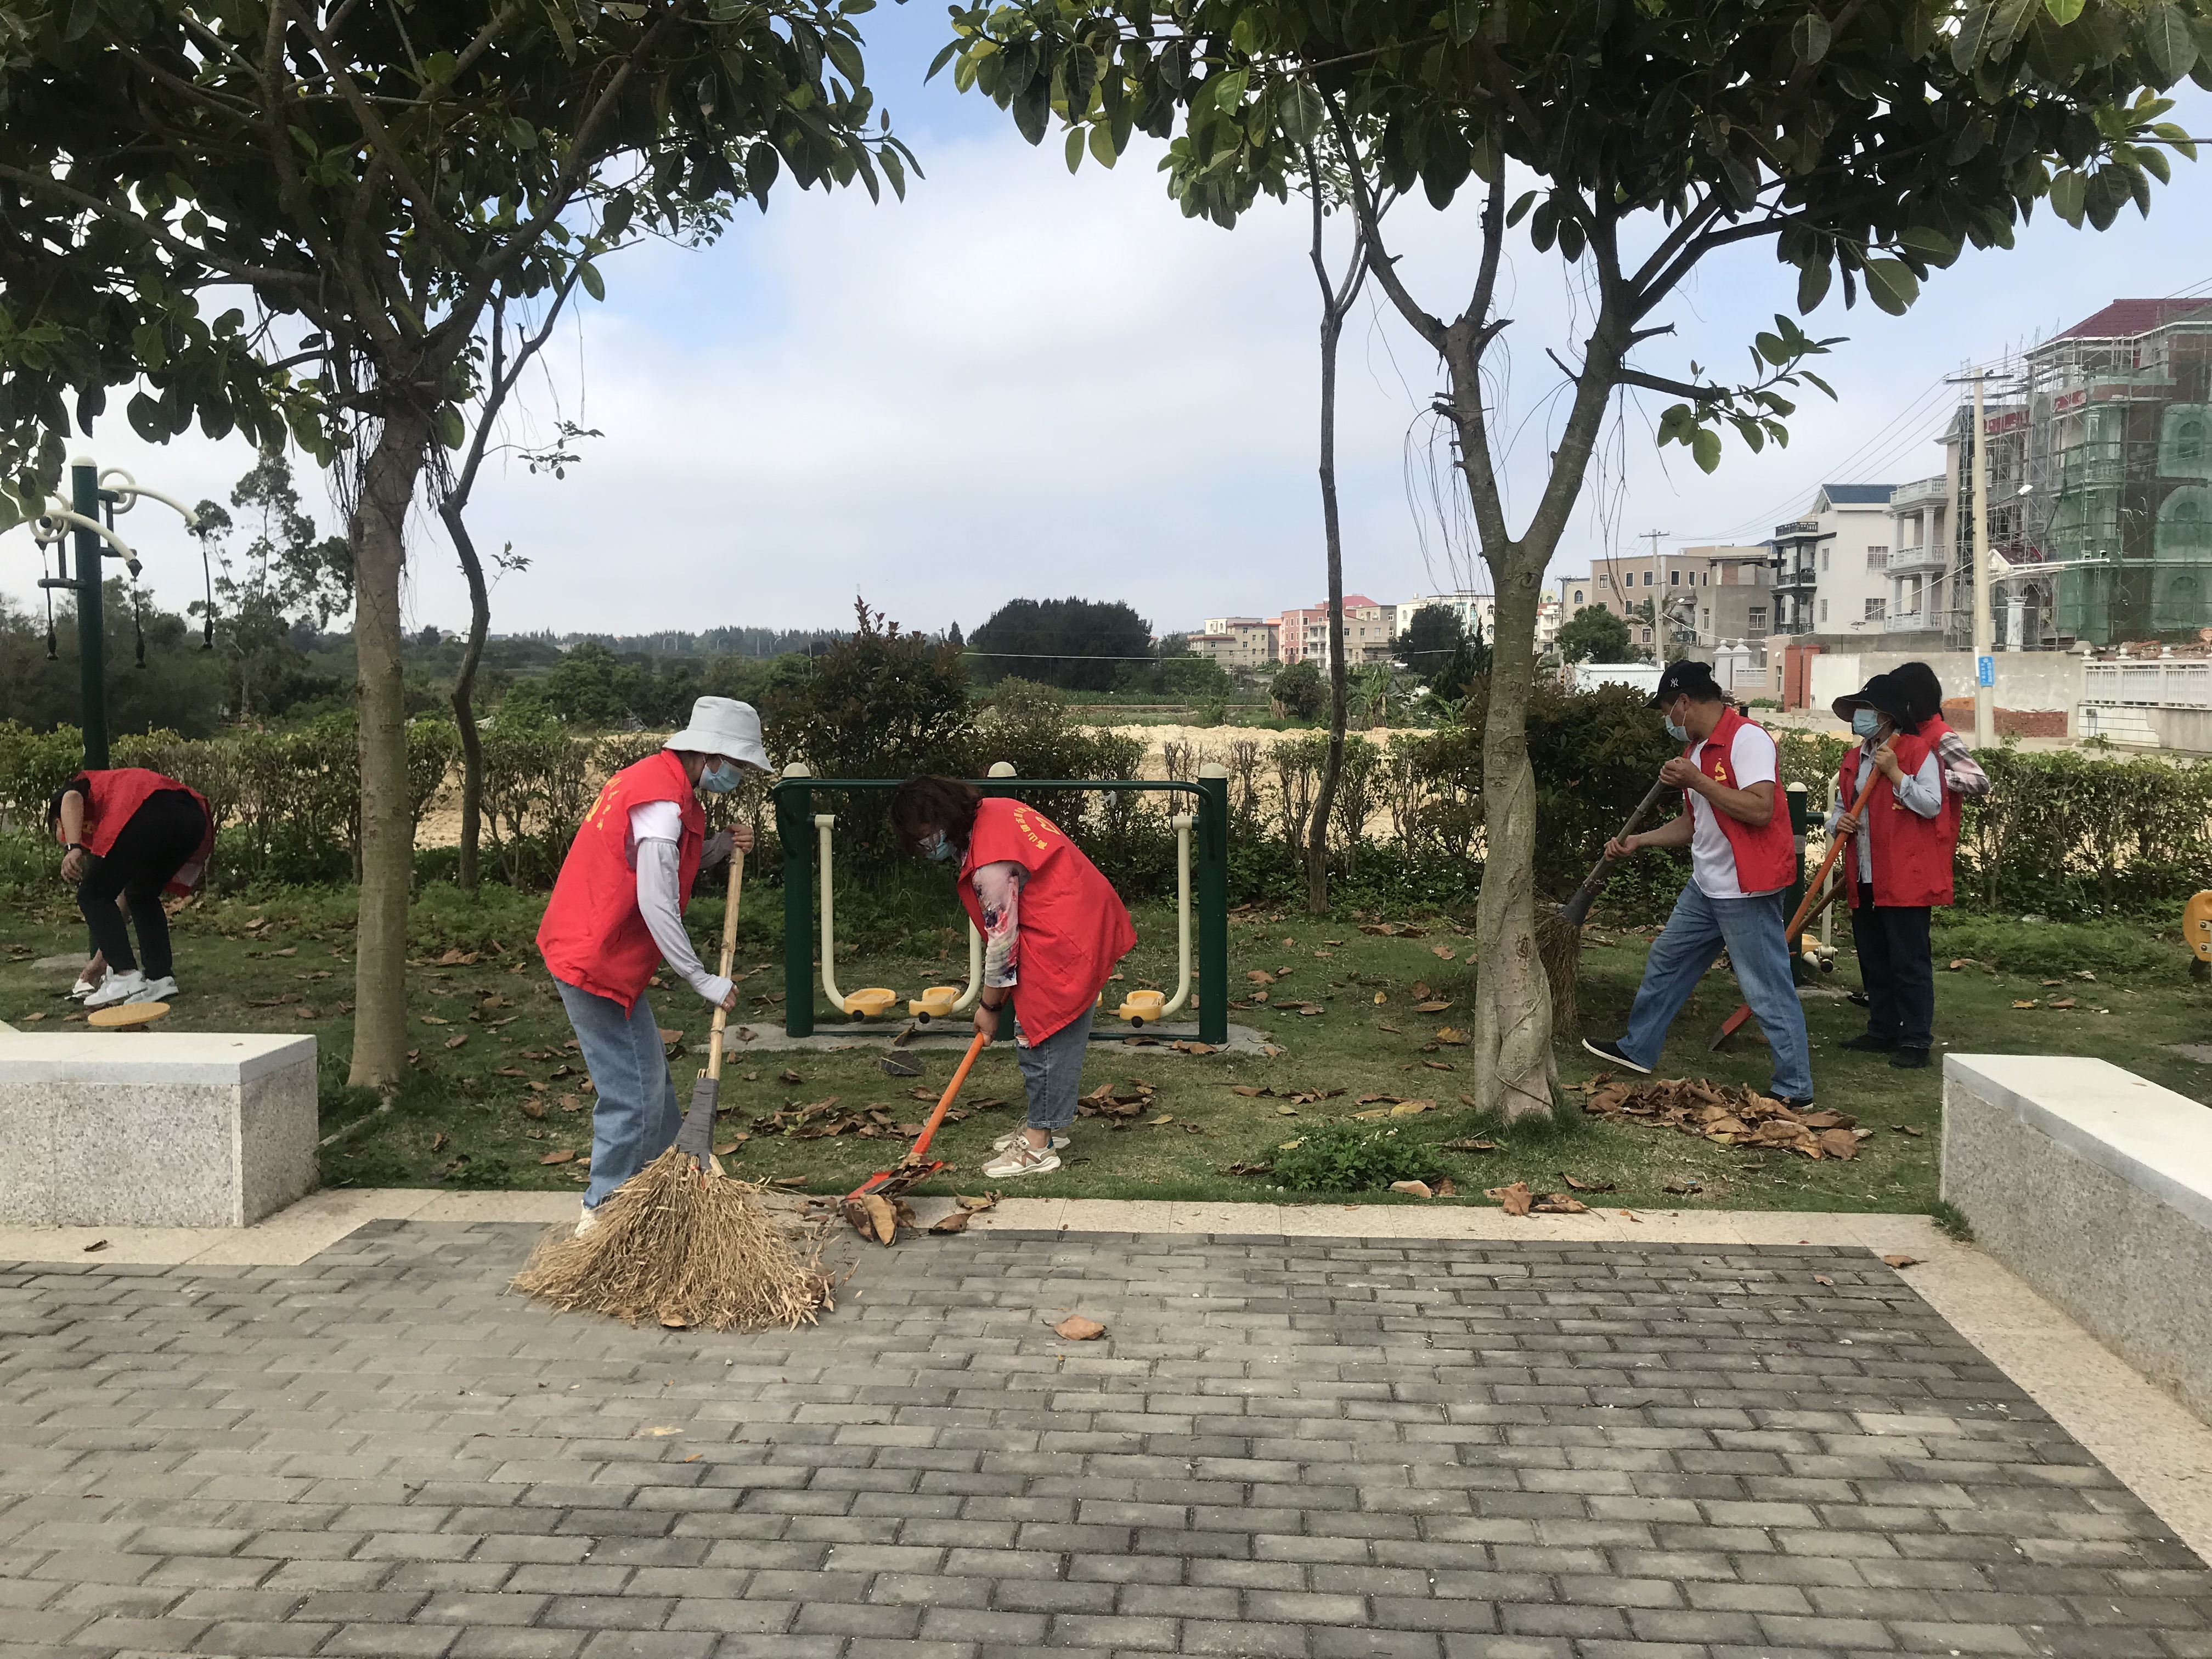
[
  {"x": 387, "y": 822},
  {"x": 1512, "y": 1038},
  {"x": 465, "y": 689},
  {"x": 1331, "y": 328}
]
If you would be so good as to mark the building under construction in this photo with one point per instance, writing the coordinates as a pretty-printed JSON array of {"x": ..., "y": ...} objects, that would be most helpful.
[{"x": 2100, "y": 463}]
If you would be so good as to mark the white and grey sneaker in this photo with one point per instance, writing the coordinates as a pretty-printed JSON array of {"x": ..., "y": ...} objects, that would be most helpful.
[
  {"x": 586, "y": 1220},
  {"x": 1006, "y": 1143},
  {"x": 1021, "y": 1160},
  {"x": 117, "y": 987},
  {"x": 157, "y": 990},
  {"x": 83, "y": 987}
]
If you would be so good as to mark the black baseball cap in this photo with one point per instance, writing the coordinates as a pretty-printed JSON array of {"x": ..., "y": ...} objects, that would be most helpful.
[
  {"x": 1687, "y": 678},
  {"x": 1882, "y": 693}
]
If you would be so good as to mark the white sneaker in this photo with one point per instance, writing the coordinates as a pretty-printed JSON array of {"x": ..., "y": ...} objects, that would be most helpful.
[
  {"x": 83, "y": 987},
  {"x": 586, "y": 1221},
  {"x": 1021, "y": 1160},
  {"x": 117, "y": 987},
  {"x": 157, "y": 990},
  {"x": 1006, "y": 1143}
]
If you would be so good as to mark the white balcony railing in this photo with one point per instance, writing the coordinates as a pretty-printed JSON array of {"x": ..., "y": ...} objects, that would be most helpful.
[
  {"x": 1912, "y": 622},
  {"x": 2147, "y": 684},
  {"x": 1932, "y": 557}
]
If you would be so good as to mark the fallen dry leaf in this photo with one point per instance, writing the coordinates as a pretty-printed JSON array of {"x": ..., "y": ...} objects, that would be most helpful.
[
  {"x": 1559, "y": 1203},
  {"x": 1431, "y": 1007},
  {"x": 952, "y": 1221},
  {"x": 456, "y": 1041},
  {"x": 1470, "y": 1146},
  {"x": 787, "y": 1075},
  {"x": 532, "y": 1108},
  {"x": 1075, "y": 1328},
  {"x": 1258, "y": 976},
  {"x": 2030, "y": 1003},
  {"x": 572, "y": 1104},
  {"x": 1443, "y": 950},
  {"x": 1907, "y": 1129},
  {"x": 1587, "y": 1186},
  {"x": 882, "y": 1218},
  {"x": 562, "y": 1156},
  {"x": 438, "y": 1141},
  {"x": 1515, "y": 1198},
  {"x": 436, "y": 1019},
  {"x": 1902, "y": 1260},
  {"x": 1410, "y": 1108},
  {"x": 96, "y": 1244},
  {"x": 1413, "y": 1188},
  {"x": 1451, "y": 1037},
  {"x": 1822, "y": 1279},
  {"x": 663, "y": 1431},
  {"x": 2064, "y": 1002},
  {"x": 1445, "y": 1188}
]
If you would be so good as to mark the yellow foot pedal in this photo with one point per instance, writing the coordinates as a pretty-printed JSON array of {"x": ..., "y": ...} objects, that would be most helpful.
[{"x": 124, "y": 1016}]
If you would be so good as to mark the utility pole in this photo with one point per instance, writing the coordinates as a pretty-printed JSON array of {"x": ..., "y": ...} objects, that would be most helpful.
[
  {"x": 1986, "y": 733},
  {"x": 1659, "y": 579}
]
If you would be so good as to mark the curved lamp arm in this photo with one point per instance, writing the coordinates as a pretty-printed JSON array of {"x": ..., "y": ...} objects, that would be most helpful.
[{"x": 58, "y": 515}]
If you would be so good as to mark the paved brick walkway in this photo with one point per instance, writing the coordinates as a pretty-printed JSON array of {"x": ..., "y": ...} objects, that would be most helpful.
[{"x": 1309, "y": 1448}]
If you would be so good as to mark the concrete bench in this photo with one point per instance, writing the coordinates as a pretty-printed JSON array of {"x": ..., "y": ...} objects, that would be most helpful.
[
  {"x": 154, "y": 1129},
  {"x": 2095, "y": 1187}
]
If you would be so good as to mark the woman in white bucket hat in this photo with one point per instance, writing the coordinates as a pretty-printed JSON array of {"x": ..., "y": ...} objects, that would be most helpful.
[{"x": 617, "y": 914}]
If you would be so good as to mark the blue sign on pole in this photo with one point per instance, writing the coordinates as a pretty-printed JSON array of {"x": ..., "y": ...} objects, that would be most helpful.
[{"x": 1985, "y": 671}]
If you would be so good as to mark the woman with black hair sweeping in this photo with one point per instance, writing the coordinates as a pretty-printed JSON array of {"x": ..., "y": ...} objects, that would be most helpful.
[
  {"x": 1053, "y": 928},
  {"x": 1899, "y": 867},
  {"x": 130, "y": 834}
]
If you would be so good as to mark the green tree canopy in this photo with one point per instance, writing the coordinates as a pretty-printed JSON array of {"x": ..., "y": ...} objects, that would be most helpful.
[
  {"x": 350, "y": 188},
  {"x": 1432, "y": 638},
  {"x": 1075, "y": 644},
  {"x": 1594, "y": 634},
  {"x": 1867, "y": 145}
]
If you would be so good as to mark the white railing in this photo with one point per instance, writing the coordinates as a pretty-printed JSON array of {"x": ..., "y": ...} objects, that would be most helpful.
[
  {"x": 1912, "y": 622},
  {"x": 2148, "y": 684}
]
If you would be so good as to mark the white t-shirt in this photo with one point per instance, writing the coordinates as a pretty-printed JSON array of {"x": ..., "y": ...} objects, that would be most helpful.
[{"x": 1751, "y": 759}]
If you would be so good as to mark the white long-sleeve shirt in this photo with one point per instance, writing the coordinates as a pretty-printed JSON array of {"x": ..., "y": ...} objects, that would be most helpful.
[{"x": 654, "y": 830}]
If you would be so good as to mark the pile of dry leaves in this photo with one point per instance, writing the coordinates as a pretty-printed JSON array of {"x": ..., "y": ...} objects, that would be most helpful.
[
  {"x": 1129, "y": 1104},
  {"x": 1732, "y": 1113},
  {"x": 821, "y": 1119}
]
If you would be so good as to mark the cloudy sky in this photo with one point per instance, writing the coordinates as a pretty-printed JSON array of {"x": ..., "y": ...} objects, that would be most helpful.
[{"x": 1021, "y": 383}]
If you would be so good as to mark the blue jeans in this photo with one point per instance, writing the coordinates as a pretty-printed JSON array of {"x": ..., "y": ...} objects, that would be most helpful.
[
  {"x": 1752, "y": 931},
  {"x": 1052, "y": 1073},
  {"x": 634, "y": 1113}
]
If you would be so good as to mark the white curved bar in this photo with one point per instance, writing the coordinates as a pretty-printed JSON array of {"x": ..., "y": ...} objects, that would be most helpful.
[
  {"x": 131, "y": 490},
  {"x": 60, "y": 515},
  {"x": 822, "y": 822},
  {"x": 1182, "y": 825},
  {"x": 975, "y": 971}
]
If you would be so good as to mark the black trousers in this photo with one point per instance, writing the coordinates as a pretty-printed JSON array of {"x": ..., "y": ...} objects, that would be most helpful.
[
  {"x": 162, "y": 834},
  {"x": 1898, "y": 973}
]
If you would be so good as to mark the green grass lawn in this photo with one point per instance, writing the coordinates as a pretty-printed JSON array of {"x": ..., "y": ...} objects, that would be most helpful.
[{"x": 487, "y": 1029}]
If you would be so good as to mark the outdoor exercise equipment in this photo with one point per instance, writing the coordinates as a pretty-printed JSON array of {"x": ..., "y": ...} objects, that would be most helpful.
[
  {"x": 1202, "y": 881},
  {"x": 93, "y": 496},
  {"x": 1143, "y": 1007},
  {"x": 2197, "y": 933}
]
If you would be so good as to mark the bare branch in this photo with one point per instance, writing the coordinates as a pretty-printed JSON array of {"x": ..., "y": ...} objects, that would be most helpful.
[
  {"x": 1428, "y": 328},
  {"x": 1695, "y": 393}
]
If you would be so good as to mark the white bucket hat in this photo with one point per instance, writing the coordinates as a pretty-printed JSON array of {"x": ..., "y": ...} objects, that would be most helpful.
[{"x": 723, "y": 725}]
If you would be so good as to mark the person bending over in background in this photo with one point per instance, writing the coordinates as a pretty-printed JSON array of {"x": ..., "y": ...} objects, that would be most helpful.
[
  {"x": 1899, "y": 863},
  {"x": 616, "y": 912},
  {"x": 130, "y": 834},
  {"x": 1053, "y": 928},
  {"x": 1742, "y": 860}
]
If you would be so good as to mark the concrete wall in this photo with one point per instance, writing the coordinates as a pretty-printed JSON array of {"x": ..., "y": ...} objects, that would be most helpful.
[
  {"x": 2095, "y": 1187},
  {"x": 2185, "y": 729},
  {"x": 2025, "y": 679}
]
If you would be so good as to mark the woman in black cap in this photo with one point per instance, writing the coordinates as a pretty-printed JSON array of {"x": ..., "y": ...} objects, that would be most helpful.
[{"x": 1898, "y": 866}]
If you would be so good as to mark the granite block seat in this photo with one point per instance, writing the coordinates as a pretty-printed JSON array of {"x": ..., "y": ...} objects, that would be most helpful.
[
  {"x": 2095, "y": 1187},
  {"x": 154, "y": 1129}
]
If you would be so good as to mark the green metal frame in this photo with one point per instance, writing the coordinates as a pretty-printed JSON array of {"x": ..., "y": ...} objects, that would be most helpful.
[{"x": 794, "y": 823}]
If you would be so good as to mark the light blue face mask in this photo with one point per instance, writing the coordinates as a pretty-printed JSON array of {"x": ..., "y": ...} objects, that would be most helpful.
[
  {"x": 939, "y": 850},
  {"x": 720, "y": 778},
  {"x": 1865, "y": 722},
  {"x": 1680, "y": 734}
]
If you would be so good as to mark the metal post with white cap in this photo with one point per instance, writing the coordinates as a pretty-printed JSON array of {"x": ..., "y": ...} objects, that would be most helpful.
[{"x": 91, "y": 638}]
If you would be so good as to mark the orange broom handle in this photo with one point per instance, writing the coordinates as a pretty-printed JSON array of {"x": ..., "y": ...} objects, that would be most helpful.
[
  {"x": 922, "y": 1141},
  {"x": 1811, "y": 901}
]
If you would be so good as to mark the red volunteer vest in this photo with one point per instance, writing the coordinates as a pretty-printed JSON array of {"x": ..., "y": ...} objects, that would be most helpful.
[
  {"x": 1074, "y": 926},
  {"x": 1766, "y": 854},
  {"x": 593, "y": 935},
  {"x": 112, "y": 798},
  {"x": 1910, "y": 855}
]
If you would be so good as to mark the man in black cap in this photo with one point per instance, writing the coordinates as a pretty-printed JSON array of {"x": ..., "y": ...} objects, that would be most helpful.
[{"x": 1742, "y": 860}]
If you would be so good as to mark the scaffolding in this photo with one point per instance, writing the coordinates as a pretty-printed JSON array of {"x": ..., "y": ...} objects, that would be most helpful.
[{"x": 2100, "y": 484}]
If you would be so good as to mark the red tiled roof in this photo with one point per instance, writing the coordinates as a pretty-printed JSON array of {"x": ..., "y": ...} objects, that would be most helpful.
[{"x": 2125, "y": 318}]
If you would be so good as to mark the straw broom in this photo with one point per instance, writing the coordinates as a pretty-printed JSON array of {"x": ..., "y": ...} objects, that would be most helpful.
[
  {"x": 679, "y": 1241},
  {"x": 1559, "y": 932}
]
